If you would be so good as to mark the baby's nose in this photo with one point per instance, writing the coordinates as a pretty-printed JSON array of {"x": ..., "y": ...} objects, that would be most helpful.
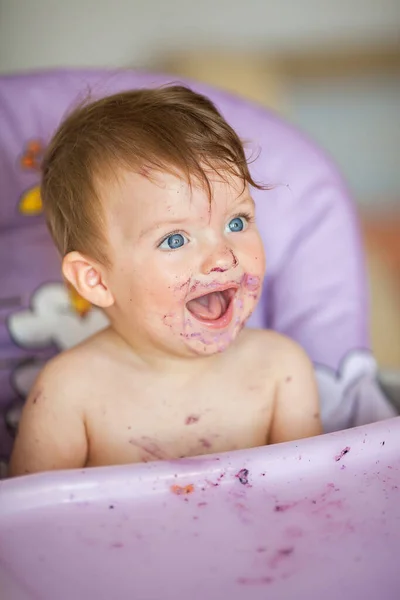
[{"x": 219, "y": 261}]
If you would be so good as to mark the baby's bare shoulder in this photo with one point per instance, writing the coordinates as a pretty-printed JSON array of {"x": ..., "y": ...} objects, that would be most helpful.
[
  {"x": 275, "y": 349},
  {"x": 73, "y": 372},
  {"x": 265, "y": 339}
]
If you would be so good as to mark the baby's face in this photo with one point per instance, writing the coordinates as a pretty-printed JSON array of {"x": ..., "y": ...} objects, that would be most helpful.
[{"x": 186, "y": 273}]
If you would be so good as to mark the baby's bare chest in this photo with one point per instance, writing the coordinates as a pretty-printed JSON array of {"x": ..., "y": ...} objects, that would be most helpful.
[{"x": 144, "y": 419}]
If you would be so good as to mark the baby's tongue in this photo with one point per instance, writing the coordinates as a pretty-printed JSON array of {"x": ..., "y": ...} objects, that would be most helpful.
[{"x": 210, "y": 306}]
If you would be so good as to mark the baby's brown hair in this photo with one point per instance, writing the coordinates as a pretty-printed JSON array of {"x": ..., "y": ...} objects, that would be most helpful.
[{"x": 169, "y": 128}]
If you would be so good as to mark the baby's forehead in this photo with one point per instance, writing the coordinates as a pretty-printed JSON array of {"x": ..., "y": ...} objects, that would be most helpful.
[
  {"x": 214, "y": 181},
  {"x": 174, "y": 189},
  {"x": 137, "y": 199}
]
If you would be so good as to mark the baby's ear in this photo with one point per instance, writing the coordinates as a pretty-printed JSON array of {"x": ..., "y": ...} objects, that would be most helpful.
[{"x": 88, "y": 278}]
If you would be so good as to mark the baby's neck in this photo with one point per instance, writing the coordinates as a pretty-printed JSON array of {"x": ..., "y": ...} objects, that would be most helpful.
[{"x": 160, "y": 360}]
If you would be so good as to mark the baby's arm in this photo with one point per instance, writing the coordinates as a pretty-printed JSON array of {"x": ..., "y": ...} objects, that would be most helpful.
[
  {"x": 296, "y": 412},
  {"x": 51, "y": 433}
]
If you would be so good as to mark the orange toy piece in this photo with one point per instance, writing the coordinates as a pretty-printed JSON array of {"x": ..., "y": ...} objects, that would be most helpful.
[
  {"x": 79, "y": 304},
  {"x": 33, "y": 155}
]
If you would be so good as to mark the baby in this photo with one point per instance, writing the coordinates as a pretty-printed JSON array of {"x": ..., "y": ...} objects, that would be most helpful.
[{"x": 147, "y": 197}]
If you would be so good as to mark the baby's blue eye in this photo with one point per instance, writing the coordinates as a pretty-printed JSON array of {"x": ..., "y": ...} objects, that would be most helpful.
[
  {"x": 237, "y": 224},
  {"x": 173, "y": 242}
]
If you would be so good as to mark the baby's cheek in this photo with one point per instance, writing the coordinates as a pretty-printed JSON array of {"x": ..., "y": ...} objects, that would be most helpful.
[
  {"x": 256, "y": 259},
  {"x": 261, "y": 264},
  {"x": 169, "y": 291},
  {"x": 259, "y": 254}
]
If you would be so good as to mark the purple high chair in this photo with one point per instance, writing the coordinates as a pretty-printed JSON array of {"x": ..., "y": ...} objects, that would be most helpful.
[{"x": 307, "y": 519}]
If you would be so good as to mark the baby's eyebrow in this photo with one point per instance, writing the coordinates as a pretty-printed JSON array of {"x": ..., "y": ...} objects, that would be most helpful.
[
  {"x": 173, "y": 224},
  {"x": 242, "y": 200}
]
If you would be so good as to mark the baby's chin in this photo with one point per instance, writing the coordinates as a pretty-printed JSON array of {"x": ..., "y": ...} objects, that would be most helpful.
[
  {"x": 204, "y": 340},
  {"x": 208, "y": 343},
  {"x": 200, "y": 338}
]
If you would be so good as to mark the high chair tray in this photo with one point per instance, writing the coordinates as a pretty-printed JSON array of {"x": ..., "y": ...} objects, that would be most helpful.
[{"x": 318, "y": 518}]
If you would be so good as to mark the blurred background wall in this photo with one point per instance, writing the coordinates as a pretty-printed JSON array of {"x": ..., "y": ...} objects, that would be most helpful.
[{"x": 332, "y": 67}]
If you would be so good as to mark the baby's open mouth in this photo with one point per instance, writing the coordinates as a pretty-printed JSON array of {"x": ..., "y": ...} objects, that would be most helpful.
[{"x": 212, "y": 306}]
